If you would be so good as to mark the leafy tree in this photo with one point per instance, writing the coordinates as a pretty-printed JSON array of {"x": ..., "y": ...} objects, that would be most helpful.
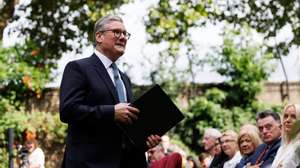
[
  {"x": 233, "y": 103},
  {"x": 171, "y": 20},
  {"x": 50, "y": 131},
  {"x": 52, "y": 28},
  {"x": 267, "y": 17},
  {"x": 6, "y": 12}
]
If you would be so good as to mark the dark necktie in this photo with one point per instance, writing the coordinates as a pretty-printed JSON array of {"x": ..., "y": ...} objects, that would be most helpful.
[
  {"x": 118, "y": 83},
  {"x": 262, "y": 154}
]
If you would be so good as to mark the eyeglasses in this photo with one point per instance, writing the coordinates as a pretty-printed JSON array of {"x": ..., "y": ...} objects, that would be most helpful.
[
  {"x": 227, "y": 141},
  {"x": 117, "y": 33}
]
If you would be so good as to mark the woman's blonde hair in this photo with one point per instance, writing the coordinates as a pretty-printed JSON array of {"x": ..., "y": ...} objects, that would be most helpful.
[
  {"x": 251, "y": 131},
  {"x": 295, "y": 129}
]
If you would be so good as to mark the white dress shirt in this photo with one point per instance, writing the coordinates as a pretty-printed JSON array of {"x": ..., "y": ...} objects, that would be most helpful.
[
  {"x": 233, "y": 161},
  {"x": 107, "y": 64}
]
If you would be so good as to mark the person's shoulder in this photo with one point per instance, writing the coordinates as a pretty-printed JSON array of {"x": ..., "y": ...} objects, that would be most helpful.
[
  {"x": 83, "y": 62},
  {"x": 39, "y": 150},
  {"x": 175, "y": 155},
  {"x": 261, "y": 147}
]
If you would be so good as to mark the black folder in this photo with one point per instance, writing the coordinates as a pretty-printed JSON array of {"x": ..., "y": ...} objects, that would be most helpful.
[{"x": 158, "y": 114}]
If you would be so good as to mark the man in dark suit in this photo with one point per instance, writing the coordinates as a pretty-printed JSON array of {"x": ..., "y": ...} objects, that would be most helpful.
[
  {"x": 269, "y": 125},
  {"x": 93, "y": 102}
]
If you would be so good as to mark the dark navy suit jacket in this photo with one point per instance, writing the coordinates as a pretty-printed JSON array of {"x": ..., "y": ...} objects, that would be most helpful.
[
  {"x": 269, "y": 156},
  {"x": 87, "y": 99}
]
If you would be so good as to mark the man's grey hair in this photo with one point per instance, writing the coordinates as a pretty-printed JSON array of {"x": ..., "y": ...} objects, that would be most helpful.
[
  {"x": 212, "y": 132},
  {"x": 102, "y": 22}
]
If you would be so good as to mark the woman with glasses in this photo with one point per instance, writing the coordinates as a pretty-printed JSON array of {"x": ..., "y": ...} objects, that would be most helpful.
[
  {"x": 288, "y": 154},
  {"x": 230, "y": 147}
]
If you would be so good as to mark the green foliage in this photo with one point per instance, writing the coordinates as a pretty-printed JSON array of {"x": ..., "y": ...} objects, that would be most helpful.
[
  {"x": 266, "y": 17},
  {"x": 55, "y": 26},
  {"x": 245, "y": 65},
  {"x": 171, "y": 20},
  {"x": 47, "y": 125},
  {"x": 234, "y": 103},
  {"x": 18, "y": 77},
  {"x": 52, "y": 28}
]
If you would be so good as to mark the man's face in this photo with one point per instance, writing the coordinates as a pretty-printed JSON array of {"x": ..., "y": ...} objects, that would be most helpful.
[
  {"x": 111, "y": 45},
  {"x": 155, "y": 154},
  {"x": 269, "y": 129},
  {"x": 208, "y": 142}
]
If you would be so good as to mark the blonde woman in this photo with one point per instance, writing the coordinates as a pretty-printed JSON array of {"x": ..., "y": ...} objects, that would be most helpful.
[
  {"x": 288, "y": 155},
  {"x": 248, "y": 141}
]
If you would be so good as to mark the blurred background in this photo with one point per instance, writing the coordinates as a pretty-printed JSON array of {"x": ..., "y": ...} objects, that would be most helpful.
[{"x": 220, "y": 61}]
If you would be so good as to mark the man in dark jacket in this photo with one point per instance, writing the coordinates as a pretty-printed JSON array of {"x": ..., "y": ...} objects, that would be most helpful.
[
  {"x": 269, "y": 125},
  {"x": 94, "y": 102}
]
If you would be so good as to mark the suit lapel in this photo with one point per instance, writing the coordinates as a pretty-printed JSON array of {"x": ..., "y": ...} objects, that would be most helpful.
[{"x": 102, "y": 72}]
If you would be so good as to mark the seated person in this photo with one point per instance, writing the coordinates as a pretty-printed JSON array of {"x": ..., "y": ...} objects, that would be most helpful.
[
  {"x": 158, "y": 159},
  {"x": 288, "y": 154},
  {"x": 248, "y": 141},
  {"x": 269, "y": 126},
  {"x": 230, "y": 147}
]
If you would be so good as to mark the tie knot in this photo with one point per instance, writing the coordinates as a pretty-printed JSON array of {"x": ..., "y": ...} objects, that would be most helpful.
[
  {"x": 114, "y": 66},
  {"x": 115, "y": 70}
]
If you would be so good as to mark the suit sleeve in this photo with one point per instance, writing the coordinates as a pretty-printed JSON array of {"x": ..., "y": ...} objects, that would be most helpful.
[{"x": 72, "y": 95}]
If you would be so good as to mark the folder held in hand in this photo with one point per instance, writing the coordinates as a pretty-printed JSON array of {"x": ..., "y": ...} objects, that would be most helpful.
[{"x": 158, "y": 114}]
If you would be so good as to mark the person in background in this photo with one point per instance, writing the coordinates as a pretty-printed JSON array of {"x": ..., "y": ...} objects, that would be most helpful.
[
  {"x": 95, "y": 99},
  {"x": 230, "y": 147},
  {"x": 288, "y": 155},
  {"x": 248, "y": 141},
  {"x": 210, "y": 140},
  {"x": 220, "y": 156},
  {"x": 201, "y": 158},
  {"x": 158, "y": 159},
  {"x": 165, "y": 141},
  {"x": 191, "y": 162},
  {"x": 269, "y": 126},
  {"x": 31, "y": 155},
  {"x": 36, "y": 156}
]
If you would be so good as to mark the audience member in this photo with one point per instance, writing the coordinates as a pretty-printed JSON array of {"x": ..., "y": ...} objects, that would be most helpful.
[
  {"x": 165, "y": 141},
  {"x": 158, "y": 159},
  {"x": 31, "y": 156},
  {"x": 230, "y": 147},
  {"x": 288, "y": 154},
  {"x": 191, "y": 162},
  {"x": 209, "y": 141},
  {"x": 269, "y": 126},
  {"x": 220, "y": 157},
  {"x": 201, "y": 159},
  {"x": 248, "y": 141}
]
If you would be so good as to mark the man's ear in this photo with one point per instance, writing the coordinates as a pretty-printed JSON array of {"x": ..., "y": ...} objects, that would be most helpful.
[{"x": 99, "y": 37}]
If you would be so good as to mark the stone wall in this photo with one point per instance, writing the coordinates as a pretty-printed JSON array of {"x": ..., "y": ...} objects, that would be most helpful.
[
  {"x": 276, "y": 93},
  {"x": 272, "y": 94}
]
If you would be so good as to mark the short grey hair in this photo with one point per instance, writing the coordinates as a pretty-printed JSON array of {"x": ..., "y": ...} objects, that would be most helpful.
[
  {"x": 212, "y": 132},
  {"x": 102, "y": 22}
]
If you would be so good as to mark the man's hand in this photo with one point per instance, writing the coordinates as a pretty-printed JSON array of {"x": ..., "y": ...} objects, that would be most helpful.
[
  {"x": 125, "y": 114},
  {"x": 153, "y": 140},
  {"x": 254, "y": 166}
]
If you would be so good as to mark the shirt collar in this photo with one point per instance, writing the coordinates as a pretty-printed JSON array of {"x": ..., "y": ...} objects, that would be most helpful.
[
  {"x": 106, "y": 61},
  {"x": 236, "y": 157}
]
